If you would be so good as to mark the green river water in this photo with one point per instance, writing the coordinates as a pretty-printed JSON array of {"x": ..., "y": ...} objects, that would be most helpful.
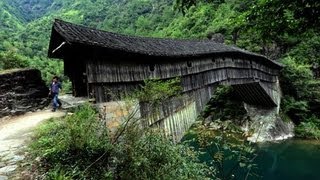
[
  {"x": 289, "y": 160},
  {"x": 286, "y": 160}
]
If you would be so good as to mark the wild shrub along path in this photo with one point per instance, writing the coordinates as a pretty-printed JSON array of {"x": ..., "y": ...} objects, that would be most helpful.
[{"x": 14, "y": 133}]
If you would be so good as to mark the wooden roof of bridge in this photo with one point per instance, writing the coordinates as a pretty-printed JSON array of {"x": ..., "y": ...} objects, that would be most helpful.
[{"x": 73, "y": 34}]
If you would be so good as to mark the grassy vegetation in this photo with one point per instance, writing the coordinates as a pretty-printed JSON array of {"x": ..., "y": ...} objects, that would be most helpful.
[
  {"x": 79, "y": 146},
  {"x": 71, "y": 144}
]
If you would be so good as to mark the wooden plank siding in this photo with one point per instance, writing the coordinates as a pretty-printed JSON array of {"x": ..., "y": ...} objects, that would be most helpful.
[
  {"x": 155, "y": 114},
  {"x": 104, "y": 71},
  {"x": 109, "y": 80},
  {"x": 104, "y": 92}
]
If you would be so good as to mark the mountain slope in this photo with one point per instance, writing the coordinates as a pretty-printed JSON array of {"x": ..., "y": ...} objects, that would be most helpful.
[
  {"x": 29, "y": 10},
  {"x": 140, "y": 17},
  {"x": 9, "y": 25},
  {"x": 8, "y": 18},
  {"x": 31, "y": 38}
]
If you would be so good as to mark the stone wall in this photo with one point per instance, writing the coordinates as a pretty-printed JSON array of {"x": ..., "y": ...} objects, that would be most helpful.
[
  {"x": 21, "y": 91},
  {"x": 115, "y": 113}
]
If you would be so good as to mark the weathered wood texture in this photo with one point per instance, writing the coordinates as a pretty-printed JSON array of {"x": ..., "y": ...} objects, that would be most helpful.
[
  {"x": 77, "y": 74},
  {"x": 107, "y": 80},
  {"x": 176, "y": 115},
  {"x": 178, "y": 122},
  {"x": 255, "y": 93},
  {"x": 158, "y": 112},
  {"x": 104, "y": 71},
  {"x": 104, "y": 92}
]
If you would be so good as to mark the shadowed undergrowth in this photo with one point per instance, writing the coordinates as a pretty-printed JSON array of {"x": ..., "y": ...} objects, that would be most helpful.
[{"x": 79, "y": 147}]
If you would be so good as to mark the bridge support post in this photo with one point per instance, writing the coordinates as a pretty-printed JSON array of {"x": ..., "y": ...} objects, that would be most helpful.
[{"x": 266, "y": 122}]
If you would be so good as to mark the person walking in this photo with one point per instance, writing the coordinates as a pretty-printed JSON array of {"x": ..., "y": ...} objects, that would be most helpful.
[{"x": 54, "y": 90}]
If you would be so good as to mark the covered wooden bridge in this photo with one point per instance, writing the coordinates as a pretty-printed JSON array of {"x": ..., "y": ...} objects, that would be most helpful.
[{"x": 103, "y": 64}]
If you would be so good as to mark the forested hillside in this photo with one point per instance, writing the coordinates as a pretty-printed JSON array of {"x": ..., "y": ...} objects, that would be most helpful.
[
  {"x": 26, "y": 25},
  {"x": 287, "y": 31}
]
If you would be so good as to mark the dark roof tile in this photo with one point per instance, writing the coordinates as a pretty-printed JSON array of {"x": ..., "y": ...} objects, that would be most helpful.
[{"x": 73, "y": 33}]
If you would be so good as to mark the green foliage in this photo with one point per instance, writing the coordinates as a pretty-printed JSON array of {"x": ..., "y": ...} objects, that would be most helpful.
[
  {"x": 154, "y": 156},
  {"x": 301, "y": 94},
  {"x": 184, "y": 5},
  {"x": 79, "y": 147},
  {"x": 199, "y": 21},
  {"x": 10, "y": 60},
  {"x": 58, "y": 174},
  {"x": 226, "y": 151},
  {"x": 291, "y": 105},
  {"x": 156, "y": 91},
  {"x": 297, "y": 78},
  {"x": 295, "y": 81},
  {"x": 224, "y": 106},
  {"x": 28, "y": 10},
  {"x": 271, "y": 27},
  {"x": 48, "y": 68},
  {"x": 308, "y": 50},
  {"x": 278, "y": 19},
  {"x": 310, "y": 128},
  {"x": 9, "y": 22}
]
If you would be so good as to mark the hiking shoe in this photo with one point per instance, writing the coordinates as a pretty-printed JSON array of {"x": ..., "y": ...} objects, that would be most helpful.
[{"x": 53, "y": 110}]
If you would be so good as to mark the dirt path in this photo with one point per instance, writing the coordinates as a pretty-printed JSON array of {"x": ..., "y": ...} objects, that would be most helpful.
[{"x": 14, "y": 133}]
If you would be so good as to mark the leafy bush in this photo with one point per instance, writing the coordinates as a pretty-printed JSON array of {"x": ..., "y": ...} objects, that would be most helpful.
[
  {"x": 296, "y": 78},
  {"x": 10, "y": 60},
  {"x": 156, "y": 91},
  {"x": 301, "y": 94},
  {"x": 308, "y": 50},
  {"x": 309, "y": 129},
  {"x": 224, "y": 105},
  {"x": 296, "y": 109},
  {"x": 79, "y": 147},
  {"x": 296, "y": 83}
]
